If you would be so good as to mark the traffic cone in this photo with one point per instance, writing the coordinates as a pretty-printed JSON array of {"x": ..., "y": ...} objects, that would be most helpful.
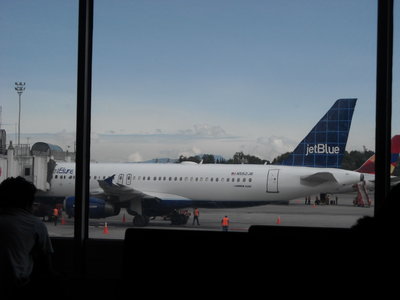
[
  {"x": 105, "y": 231},
  {"x": 278, "y": 221},
  {"x": 63, "y": 222},
  {"x": 123, "y": 218}
]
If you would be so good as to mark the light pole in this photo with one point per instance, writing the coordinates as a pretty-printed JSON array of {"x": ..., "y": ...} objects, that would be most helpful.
[{"x": 19, "y": 87}]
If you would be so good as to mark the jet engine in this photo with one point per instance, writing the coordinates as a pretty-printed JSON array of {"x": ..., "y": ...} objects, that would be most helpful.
[{"x": 98, "y": 208}]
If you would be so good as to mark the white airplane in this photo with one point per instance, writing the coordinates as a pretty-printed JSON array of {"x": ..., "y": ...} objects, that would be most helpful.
[{"x": 148, "y": 190}]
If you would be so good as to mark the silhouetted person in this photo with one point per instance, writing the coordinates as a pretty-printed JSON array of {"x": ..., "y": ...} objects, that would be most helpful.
[{"x": 25, "y": 246}]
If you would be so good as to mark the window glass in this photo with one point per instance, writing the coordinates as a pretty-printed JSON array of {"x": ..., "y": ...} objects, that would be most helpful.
[
  {"x": 396, "y": 90},
  {"x": 222, "y": 82},
  {"x": 38, "y": 59}
]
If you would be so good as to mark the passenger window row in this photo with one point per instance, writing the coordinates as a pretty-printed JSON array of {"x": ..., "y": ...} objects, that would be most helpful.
[
  {"x": 73, "y": 177},
  {"x": 130, "y": 178}
]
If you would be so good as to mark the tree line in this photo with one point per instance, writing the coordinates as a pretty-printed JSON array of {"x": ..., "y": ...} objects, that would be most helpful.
[{"x": 238, "y": 158}]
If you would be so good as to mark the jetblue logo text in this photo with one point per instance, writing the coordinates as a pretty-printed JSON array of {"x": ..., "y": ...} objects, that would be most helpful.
[
  {"x": 64, "y": 171},
  {"x": 322, "y": 149}
]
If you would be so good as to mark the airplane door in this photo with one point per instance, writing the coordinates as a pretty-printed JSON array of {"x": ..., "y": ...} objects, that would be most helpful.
[
  {"x": 272, "y": 181},
  {"x": 121, "y": 178}
]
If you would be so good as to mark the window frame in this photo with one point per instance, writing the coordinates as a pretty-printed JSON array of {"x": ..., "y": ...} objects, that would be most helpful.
[{"x": 84, "y": 83}]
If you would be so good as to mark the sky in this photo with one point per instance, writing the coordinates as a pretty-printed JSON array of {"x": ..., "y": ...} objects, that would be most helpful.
[{"x": 188, "y": 77}]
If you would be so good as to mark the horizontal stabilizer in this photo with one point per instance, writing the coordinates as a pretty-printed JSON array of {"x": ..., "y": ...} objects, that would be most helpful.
[{"x": 318, "y": 178}]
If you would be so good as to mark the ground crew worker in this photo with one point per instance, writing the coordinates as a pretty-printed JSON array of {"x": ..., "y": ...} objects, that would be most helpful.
[
  {"x": 55, "y": 216},
  {"x": 196, "y": 214},
  {"x": 225, "y": 223}
]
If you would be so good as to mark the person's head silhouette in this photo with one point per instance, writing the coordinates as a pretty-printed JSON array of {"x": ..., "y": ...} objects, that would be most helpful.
[{"x": 17, "y": 193}]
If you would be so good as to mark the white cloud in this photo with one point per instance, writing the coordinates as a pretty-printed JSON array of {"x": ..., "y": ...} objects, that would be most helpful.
[
  {"x": 277, "y": 144},
  {"x": 204, "y": 130},
  {"x": 191, "y": 152},
  {"x": 207, "y": 130},
  {"x": 267, "y": 147},
  {"x": 135, "y": 157},
  {"x": 201, "y": 139}
]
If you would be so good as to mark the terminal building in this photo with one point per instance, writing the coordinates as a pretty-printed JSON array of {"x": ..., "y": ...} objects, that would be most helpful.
[{"x": 35, "y": 164}]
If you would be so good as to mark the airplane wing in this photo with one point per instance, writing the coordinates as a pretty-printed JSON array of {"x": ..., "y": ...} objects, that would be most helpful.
[
  {"x": 318, "y": 178},
  {"x": 163, "y": 196},
  {"x": 97, "y": 192},
  {"x": 125, "y": 193}
]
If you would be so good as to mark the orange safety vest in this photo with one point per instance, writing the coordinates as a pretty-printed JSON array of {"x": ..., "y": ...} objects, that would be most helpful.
[
  {"x": 196, "y": 212},
  {"x": 55, "y": 212},
  {"x": 225, "y": 221}
]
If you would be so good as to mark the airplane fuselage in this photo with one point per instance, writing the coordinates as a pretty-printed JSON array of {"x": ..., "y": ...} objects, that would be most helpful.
[{"x": 233, "y": 185}]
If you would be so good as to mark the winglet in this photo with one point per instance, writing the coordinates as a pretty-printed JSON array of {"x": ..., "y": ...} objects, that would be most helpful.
[
  {"x": 324, "y": 146},
  {"x": 108, "y": 180}
]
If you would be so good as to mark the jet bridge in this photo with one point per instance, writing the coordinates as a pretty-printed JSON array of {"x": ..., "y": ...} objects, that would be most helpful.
[{"x": 36, "y": 164}]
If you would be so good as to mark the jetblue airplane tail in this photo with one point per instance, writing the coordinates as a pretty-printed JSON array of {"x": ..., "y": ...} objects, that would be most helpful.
[
  {"x": 324, "y": 146},
  {"x": 369, "y": 165}
]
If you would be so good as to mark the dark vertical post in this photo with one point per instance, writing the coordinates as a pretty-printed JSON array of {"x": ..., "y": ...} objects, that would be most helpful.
[
  {"x": 383, "y": 102},
  {"x": 83, "y": 122}
]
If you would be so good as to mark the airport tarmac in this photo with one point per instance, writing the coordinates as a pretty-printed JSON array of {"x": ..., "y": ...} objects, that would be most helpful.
[{"x": 296, "y": 213}]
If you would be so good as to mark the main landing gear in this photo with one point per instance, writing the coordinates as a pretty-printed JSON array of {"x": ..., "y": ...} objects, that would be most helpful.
[
  {"x": 140, "y": 220},
  {"x": 176, "y": 217},
  {"x": 179, "y": 217}
]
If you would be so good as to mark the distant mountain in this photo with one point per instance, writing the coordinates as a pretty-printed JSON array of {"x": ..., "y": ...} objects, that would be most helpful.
[{"x": 164, "y": 160}]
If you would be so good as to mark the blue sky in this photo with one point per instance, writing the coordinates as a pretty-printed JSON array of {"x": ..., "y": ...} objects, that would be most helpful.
[{"x": 187, "y": 77}]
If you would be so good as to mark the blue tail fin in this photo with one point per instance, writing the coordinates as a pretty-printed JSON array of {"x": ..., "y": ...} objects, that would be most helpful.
[{"x": 324, "y": 146}]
